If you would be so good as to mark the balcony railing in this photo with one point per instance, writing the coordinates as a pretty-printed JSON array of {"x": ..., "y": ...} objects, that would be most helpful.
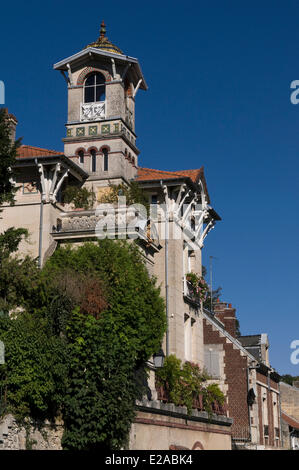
[
  {"x": 241, "y": 433},
  {"x": 92, "y": 111},
  {"x": 197, "y": 404}
]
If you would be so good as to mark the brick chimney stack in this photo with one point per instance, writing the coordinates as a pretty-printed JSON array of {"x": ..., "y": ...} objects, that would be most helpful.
[
  {"x": 227, "y": 315},
  {"x": 12, "y": 121}
]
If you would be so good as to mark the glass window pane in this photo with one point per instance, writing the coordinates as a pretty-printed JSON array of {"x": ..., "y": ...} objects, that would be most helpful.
[
  {"x": 89, "y": 94},
  {"x": 100, "y": 93},
  {"x": 105, "y": 152},
  {"x": 90, "y": 80},
  {"x": 100, "y": 79},
  {"x": 93, "y": 161},
  {"x": 81, "y": 156}
]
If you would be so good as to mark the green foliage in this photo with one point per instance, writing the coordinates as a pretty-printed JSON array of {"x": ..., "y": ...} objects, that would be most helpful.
[
  {"x": 8, "y": 152},
  {"x": 104, "y": 352},
  {"x": 19, "y": 282},
  {"x": 89, "y": 321},
  {"x": 184, "y": 383},
  {"x": 10, "y": 240},
  {"x": 100, "y": 394},
  {"x": 35, "y": 367},
  {"x": 134, "y": 301},
  {"x": 81, "y": 198},
  {"x": 289, "y": 379},
  {"x": 197, "y": 286},
  {"x": 132, "y": 192}
]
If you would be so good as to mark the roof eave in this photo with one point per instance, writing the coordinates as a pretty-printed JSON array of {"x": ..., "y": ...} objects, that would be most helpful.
[
  {"x": 62, "y": 64},
  {"x": 45, "y": 158}
]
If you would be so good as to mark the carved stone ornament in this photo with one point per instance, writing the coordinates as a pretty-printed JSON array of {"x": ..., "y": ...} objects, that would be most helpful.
[{"x": 92, "y": 111}]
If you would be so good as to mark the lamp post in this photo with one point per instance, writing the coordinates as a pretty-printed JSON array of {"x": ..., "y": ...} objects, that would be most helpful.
[{"x": 159, "y": 359}]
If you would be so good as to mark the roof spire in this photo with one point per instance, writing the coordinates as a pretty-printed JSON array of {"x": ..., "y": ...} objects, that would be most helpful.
[
  {"x": 103, "y": 42},
  {"x": 103, "y": 30}
]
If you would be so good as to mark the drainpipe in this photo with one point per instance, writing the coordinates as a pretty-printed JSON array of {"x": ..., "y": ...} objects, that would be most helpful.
[
  {"x": 166, "y": 277},
  {"x": 249, "y": 420},
  {"x": 280, "y": 419},
  {"x": 41, "y": 222}
]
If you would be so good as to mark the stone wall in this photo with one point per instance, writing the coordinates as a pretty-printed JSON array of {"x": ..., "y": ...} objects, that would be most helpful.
[
  {"x": 290, "y": 400},
  {"x": 15, "y": 437},
  {"x": 164, "y": 426}
]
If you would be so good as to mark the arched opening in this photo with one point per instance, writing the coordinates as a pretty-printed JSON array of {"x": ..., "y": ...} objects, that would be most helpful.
[
  {"x": 94, "y": 88},
  {"x": 106, "y": 162},
  {"x": 81, "y": 157},
  {"x": 93, "y": 160}
]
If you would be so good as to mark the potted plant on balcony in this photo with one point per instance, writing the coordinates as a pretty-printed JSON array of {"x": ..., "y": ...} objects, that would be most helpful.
[{"x": 197, "y": 286}]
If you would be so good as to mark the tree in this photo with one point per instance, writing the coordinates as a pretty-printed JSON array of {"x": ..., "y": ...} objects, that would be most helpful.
[
  {"x": 216, "y": 293},
  {"x": 90, "y": 320},
  {"x": 81, "y": 198},
  {"x": 132, "y": 192},
  {"x": 289, "y": 379},
  {"x": 10, "y": 239},
  {"x": 8, "y": 152},
  {"x": 105, "y": 350}
]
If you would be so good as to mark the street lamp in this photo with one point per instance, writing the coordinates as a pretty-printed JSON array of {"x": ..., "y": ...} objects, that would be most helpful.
[{"x": 159, "y": 359}]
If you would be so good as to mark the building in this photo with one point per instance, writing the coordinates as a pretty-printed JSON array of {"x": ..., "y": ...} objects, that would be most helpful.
[
  {"x": 99, "y": 149},
  {"x": 290, "y": 414},
  {"x": 241, "y": 367}
]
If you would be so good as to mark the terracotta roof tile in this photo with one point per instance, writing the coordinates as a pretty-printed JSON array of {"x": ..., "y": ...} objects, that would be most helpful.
[
  {"x": 290, "y": 420},
  {"x": 26, "y": 151},
  {"x": 151, "y": 174}
]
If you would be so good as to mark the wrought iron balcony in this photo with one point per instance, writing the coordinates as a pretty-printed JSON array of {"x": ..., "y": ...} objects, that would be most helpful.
[
  {"x": 93, "y": 111},
  {"x": 241, "y": 433}
]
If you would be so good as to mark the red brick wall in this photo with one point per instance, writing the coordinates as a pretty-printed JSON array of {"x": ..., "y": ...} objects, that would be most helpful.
[
  {"x": 235, "y": 369},
  {"x": 227, "y": 315}
]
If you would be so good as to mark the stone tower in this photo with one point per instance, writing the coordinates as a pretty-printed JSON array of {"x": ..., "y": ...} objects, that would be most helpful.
[{"x": 100, "y": 130}]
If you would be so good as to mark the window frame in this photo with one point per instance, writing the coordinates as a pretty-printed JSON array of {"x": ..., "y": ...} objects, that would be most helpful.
[{"x": 96, "y": 87}]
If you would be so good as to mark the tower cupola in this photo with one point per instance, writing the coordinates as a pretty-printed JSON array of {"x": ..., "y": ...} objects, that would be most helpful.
[{"x": 102, "y": 86}]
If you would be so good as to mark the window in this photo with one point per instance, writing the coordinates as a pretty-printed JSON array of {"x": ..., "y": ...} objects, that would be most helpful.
[
  {"x": 105, "y": 153},
  {"x": 154, "y": 206},
  {"x": 154, "y": 199},
  {"x": 188, "y": 336},
  {"x": 81, "y": 157},
  {"x": 94, "y": 88},
  {"x": 93, "y": 160},
  {"x": 212, "y": 362}
]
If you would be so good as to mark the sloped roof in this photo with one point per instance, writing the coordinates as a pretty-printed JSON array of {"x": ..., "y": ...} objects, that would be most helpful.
[
  {"x": 149, "y": 174},
  {"x": 253, "y": 344},
  {"x": 26, "y": 151},
  {"x": 290, "y": 420},
  {"x": 103, "y": 42},
  {"x": 250, "y": 340}
]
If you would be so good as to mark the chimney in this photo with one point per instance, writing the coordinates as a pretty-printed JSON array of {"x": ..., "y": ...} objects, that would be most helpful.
[
  {"x": 227, "y": 315},
  {"x": 12, "y": 121}
]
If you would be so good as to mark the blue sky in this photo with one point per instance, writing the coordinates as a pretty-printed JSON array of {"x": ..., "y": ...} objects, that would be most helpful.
[{"x": 219, "y": 77}]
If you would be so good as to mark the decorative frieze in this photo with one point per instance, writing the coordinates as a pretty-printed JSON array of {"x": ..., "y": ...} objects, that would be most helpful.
[{"x": 92, "y": 111}]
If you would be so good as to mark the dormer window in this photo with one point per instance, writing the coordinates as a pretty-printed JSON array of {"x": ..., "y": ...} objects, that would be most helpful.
[{"x": 94, "y": 88}]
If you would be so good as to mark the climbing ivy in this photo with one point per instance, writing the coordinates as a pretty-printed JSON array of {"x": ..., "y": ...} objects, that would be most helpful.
[{"x": 94, "y": 317}]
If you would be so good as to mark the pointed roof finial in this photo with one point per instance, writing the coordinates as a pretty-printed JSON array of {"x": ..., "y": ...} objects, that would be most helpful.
[
  {"x": 103, "y": 42},
  {"x": 103, "y": 29}
]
